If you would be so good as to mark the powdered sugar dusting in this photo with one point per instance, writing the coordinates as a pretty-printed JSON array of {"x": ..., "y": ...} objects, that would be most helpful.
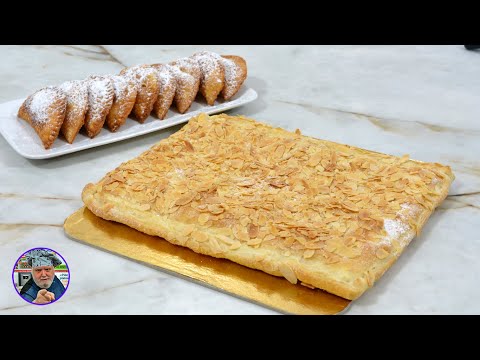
[
  {"x": 189, "y": 66},
  {"x": 76, "y": 91},
  {"x": 208, "y": 61},
  {"x": 41, "y": 101},
  {"x": 231, "y": 72},
  {"x": 100, "y": 97},
  {"x": 165, "y": 76},
  {"x": 138, "y": 73},
  {"x": 182, "y": 77},
  {"x": 395, "y": 228},
  {"x": 121, "y": 86}
]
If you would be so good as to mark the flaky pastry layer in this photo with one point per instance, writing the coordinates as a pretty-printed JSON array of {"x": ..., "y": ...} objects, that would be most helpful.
[{"x": 322, "y": 214}]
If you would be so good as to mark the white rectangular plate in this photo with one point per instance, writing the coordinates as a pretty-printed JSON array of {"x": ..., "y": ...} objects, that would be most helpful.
[{"x": 24, "y": 140}]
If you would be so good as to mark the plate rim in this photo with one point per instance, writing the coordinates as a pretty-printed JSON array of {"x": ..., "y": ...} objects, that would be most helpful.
[{"x": 248, "y": 95}]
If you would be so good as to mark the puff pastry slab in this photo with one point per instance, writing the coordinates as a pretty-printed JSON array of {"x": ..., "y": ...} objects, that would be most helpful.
[{"x": 321, "y": 214}]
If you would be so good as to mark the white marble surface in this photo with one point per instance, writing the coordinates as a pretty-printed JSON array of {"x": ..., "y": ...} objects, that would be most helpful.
[{"x": 421, "y": 100}]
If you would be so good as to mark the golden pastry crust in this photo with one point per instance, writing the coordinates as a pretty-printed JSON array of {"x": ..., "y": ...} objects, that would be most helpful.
[
  {"x": 235, "y": 74},
  {"x": 77, "y": 106},
  {"x": 147, "y": 90},
  {"x": 125, "y": 95},
  {"x": 100, "y": 100},
  {"x": 329, "y": 215},
  {"x": 213, "y": 75},
  {"x": 166, "y": 90},
  {"x": 45, "y": 111}
]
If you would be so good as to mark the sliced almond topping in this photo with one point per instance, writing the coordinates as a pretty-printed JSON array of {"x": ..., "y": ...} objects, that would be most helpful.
[
  {"x": 188, "y": 146},
  {"x": 144, "y": 207},
  {"x": 245, "y": 221},
  {"x": 288, "y": 273},
  {"x": 381, "y": 253},
  {"x": 240, "y": 233},
  {"x": 269, "y": 237},
  {"x": 108, "y": 180},
  {"x": 308, "y": 253},
  {"x": 246, "y": 182},
  {"x": 236, "y": 245},
  {"x": 253, "y": 242},
  {"x": 237, "y": 163},
  {"x": 219, "y": 131},
  {"x": 315, "y": 159},
  {"x": 186, "y": 199},
  {"x": 278, "y": 183},
  {"x": 203, "y": 218},
  {"x": 313, "y": 245},
  {"x": 279, "y": 151},
  {"x": 199, "y": 236},
  {"x": 119, "y": 177},
  {"x": 252, "y": 230},
  {"x": 187, "y": 230},
  {"x": 215, "y": 209},
  {"x": 350, "y": 240},
  {"x": 112, "y": 186}
]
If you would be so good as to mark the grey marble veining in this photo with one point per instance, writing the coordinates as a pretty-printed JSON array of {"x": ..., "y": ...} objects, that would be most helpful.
[{"x": 420, "y": 100}]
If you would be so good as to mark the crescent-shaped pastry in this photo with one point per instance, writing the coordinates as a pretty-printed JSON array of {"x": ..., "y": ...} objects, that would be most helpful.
[
  {"x": 100, "y": 100},
  {"x": 186, "y": 89},
  {"x": 77, "y": 106},
  {"x": 147, "y": 90},
  {"x": 212, "y": 80},
  {"x": 125, "y": 95},
  {"x": 166, "y": 90},
  {"x": 45, "y": 111},
  {"x": 235, "y": 74}
]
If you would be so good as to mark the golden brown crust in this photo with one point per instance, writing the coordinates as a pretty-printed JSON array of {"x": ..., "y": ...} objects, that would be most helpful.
[
  {"x": 325, "y": 214},
  {"x": 166, "y": 90},
  {"x": 77, "y": 106},
  {"x": 147, "y": 90},
  {"x": 45, "y": 111},
  {"x": 123, "y": 102},
  {"x": 235, "y": 74},
  {"x": 100, "y": 100}
]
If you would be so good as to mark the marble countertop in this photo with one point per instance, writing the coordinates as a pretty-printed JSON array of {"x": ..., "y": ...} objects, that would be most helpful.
[{"x": 420, "y": 100}]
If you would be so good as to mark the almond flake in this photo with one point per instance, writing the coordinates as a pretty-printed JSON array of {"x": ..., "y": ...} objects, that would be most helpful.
[
  {"x": 186, "y": 199},
  {"x": 199, "y": 236},
  {"x": 203, "y": 218},
  {"x": 381, "y": 253},
  {"x": 252, "y": 230},
  {"x": 288, "y": 273},
  {"x": 308, "y": 253},
  {"x": 144, "y": 207},
  {"x": 253, "y": 242}
]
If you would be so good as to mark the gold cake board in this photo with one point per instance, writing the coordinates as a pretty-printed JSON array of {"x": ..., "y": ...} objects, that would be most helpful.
[{"x": 252, "y": 285}]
